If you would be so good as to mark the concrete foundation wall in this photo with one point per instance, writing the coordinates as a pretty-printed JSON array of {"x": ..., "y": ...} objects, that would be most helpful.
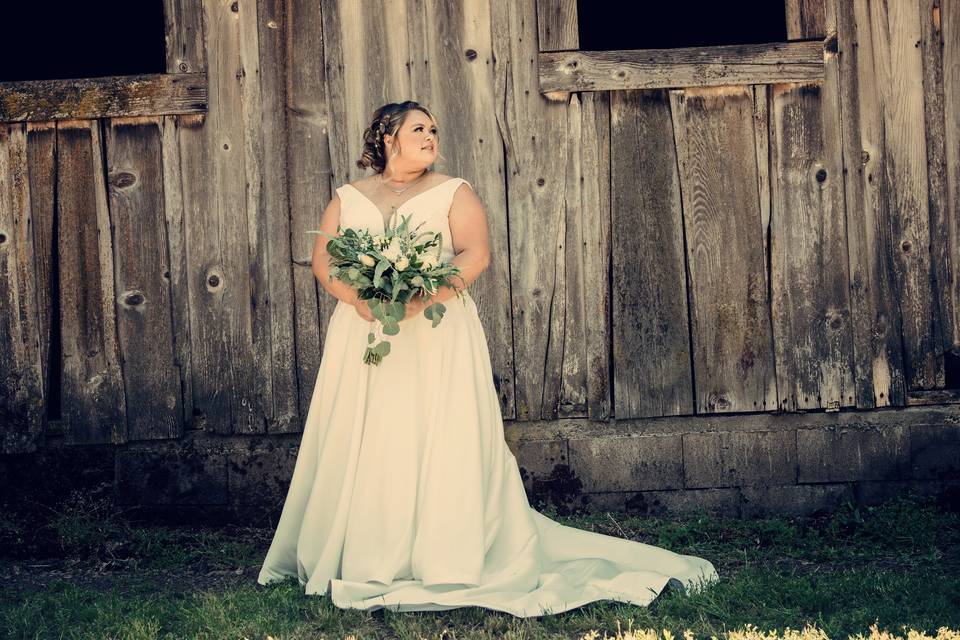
[{"x": 739, "y": 465}]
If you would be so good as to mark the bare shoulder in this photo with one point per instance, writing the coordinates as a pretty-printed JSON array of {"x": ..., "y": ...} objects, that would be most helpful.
[
  {"x": 464, "y": 189},
  {"x": 435, "y": 179},
  {"x": 466, "y": 202},
  {"x": 363, "y": 184}
]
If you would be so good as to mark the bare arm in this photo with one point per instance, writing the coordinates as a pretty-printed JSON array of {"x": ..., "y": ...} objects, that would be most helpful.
[
  {"x": 321, "y": 259},
  {"x": 470, "y": 236}
]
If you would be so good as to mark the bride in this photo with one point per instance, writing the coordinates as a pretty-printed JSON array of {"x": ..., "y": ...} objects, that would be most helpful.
[{"x": 404, "y": 494}]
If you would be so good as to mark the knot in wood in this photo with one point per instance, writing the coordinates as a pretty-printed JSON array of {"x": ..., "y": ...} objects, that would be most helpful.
[
  {"x": 122, "y": 179},
  {"x": 134, "y": 298}
]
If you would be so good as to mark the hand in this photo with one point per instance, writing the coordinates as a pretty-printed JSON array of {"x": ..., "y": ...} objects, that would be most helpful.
[
  {"x": 416, "y": 305},
  {"x": 363, "y": 309}
]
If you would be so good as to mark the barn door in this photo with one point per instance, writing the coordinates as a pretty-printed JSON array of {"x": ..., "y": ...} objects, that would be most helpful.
[{"x": 746, "y": 273}]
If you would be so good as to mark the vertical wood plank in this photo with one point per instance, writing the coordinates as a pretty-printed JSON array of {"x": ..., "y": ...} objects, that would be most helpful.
[
  {"x": 201, "y": 144},
  {"x": 586, "y": 384},
  {"x": 651, "y": 338},
  {"x": 950, "y": 17},
  {"x": 243, "y": 199},
  {"x": 178, "y": 265},
  {"x": 729, "y": 315},
  {"x": 810, "y": 286},
  {"x": 935, "y": 130},
  {"x": 894, "y": 32},
  {"x": 571, "y": 383},
  {"x": 453, "y": 76},
  {"x": 557, "y": 27},
  {"x": 308, "y": 171},
  {"x": 41, "y": 169},
  {"x": 940, "y": 32},
  {"x": 186, "y": 52},
  {"x": 595, "y": 255},
  {"x": 219, "y": 164},
  {"x": 93, "y": 399},
  {"x": 805, "y": 19},
  {"x": 21, "y": 371},
  {"x": 183, "y": 27},
  {"x": 265, "y": 30},
  {"x": 362, "y": 73},
  {"x": 142, "y": 271},
  {"x": 876, "y": 317},
  {"x": 761, "y": 136},
  {"x": 533, "y": 130},
  {"x": 557, "y": 23}
]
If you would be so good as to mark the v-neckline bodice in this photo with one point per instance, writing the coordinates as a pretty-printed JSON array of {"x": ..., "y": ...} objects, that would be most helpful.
[{"x": 385, "y": 221}]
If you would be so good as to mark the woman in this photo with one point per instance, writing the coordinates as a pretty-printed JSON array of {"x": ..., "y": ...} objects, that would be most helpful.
[{"x": 404, "y": 493}]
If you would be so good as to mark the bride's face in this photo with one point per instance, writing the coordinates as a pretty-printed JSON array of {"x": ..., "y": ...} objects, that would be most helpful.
[{"x": 415, "y": 142}]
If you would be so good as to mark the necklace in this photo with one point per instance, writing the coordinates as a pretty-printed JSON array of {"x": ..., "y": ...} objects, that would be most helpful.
[{"x": 412, "y": 182}]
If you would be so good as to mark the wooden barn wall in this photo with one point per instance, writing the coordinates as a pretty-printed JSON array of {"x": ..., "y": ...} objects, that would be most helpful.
[{"x": 656, "y": 252}]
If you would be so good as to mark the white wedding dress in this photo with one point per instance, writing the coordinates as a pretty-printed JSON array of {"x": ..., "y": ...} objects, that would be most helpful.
[{"x": 404, "y": 493}]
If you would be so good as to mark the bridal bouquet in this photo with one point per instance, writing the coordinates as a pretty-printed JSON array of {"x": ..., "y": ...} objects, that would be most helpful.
[{"x": 388, "y": 270}]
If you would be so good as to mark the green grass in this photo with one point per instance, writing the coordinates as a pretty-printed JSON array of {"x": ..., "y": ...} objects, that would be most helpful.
[{"x": 84, "y": 573}]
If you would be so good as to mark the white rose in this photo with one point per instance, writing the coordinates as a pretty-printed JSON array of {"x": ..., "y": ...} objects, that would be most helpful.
[
  {"x": 429, "y": 261},
  {"x": 366, "y": 259},
  {"x": 393, "y": 251},
  {"x": 402, "y": 263}
]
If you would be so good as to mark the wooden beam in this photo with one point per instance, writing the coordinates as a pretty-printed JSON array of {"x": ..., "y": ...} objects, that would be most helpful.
[
  {"x": 766, "y": 63},
  {"x": 88, "y": 98}
]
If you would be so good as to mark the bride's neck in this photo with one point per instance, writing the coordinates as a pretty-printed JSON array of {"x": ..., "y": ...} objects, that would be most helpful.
[{"x": 404, "y": 177}]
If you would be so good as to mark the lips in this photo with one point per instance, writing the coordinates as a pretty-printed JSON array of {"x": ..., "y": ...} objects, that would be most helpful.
[{"x": 429, "y": 147}]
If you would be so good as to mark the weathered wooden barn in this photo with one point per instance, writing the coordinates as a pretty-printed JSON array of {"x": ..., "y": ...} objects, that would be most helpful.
[{"x": 723, "y": 277}]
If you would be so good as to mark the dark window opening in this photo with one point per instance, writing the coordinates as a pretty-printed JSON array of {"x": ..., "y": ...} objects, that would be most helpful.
[
  {"x": 610, "y": 26},
  {"x": 69, "y": 40},
  {"x": 951, "y": 364}
]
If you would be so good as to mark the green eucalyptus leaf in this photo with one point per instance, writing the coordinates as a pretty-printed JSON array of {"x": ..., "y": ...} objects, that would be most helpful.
[
  {"x": 396, "y": 310},
  {"x": 397, "y": 289},
  {"x": 435, "y": 312},
  {"x": 391, "y": 327},
  {"x": 382, "y": 266}
]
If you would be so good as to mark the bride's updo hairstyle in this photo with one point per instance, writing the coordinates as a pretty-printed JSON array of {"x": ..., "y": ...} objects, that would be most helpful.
[{"x": 386, "y": 121}]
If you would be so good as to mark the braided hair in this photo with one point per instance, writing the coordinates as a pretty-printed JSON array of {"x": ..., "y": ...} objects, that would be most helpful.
[{"x": 386, "y": 121}]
